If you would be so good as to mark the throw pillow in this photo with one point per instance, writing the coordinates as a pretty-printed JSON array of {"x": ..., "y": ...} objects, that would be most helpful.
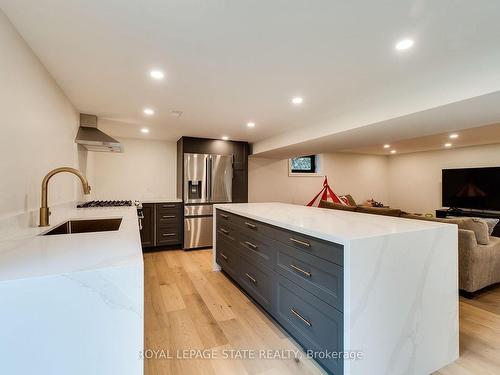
[
  {"x": 480, "y": 229},
  {"x": 492, "y": 223},
  {"x": 344, "y": 199},
  {"x": 348, "y": 199}
]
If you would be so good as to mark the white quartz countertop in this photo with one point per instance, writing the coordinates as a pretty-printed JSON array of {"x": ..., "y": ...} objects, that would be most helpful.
[
  {"x": 29, "y": 255},
  {"x": 328, "y": 224}
]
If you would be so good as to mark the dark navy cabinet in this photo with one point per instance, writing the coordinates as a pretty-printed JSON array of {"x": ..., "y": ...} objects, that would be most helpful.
[{"x": 297, "y": 279}]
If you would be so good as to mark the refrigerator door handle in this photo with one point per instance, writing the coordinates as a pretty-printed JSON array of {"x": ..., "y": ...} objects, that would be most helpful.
[
  {"x": 211, "y": 171},
  {"x": 209, "y": 178},
  {"x": 206, "y": 178}
]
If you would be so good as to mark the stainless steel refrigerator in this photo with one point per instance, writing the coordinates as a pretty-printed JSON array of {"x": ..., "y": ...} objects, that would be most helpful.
[{"x": 208, "y": 179}]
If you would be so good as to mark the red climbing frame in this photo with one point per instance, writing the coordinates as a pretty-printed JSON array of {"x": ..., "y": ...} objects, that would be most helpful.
[{"x": 325, "y": 193}]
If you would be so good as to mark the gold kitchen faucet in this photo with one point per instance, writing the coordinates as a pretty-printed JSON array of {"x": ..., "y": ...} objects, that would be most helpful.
[{"x": 44, "y": 209}]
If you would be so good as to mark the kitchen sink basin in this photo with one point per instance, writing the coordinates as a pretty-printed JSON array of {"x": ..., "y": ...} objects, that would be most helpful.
[{"x": 86, "y": 226}]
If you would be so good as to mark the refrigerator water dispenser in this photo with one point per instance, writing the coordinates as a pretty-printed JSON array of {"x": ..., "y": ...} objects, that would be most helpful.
[{"x": 194, "y": 189}]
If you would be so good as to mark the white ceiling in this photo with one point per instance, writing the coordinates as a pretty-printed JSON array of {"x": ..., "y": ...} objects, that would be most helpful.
[
  {"x": 482, "y": 135},
  {"x": 455, "y": 117},
  {"x": 231, "y": 61}
]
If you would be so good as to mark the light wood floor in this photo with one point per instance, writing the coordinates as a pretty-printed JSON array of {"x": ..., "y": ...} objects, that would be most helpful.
[
  {"x": 479, "y": 336},
  {"x": 187, "y": 306}
]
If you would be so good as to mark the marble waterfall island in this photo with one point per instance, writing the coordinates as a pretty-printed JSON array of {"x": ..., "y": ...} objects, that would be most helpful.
[
  {"x": 73, "y": 303},
  {"x": 382, "y": 288}
]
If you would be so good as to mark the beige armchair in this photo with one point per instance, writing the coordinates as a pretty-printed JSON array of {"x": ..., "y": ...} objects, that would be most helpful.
[{"x": 479, "y": 265}]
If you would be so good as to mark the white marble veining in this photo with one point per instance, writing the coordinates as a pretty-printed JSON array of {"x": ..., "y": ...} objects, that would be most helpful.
[
  {"x": 400, "y": 284},
  {"x": 401, "y": 301},
  {"x": 73, "y": 304}
]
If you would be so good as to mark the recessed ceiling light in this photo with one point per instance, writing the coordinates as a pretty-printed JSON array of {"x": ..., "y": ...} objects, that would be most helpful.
[
  {"x": 454, "y": 136},
  {"x": 297, "y": 100},
  {"x": 156, "y": 74},
  {"x": 448, "y": 145},
  {"x": 225, "y": 138},
  {"x": 393, "y": 151},
  {"x": 251, "y": 124},
  {"x": 145, "y": 130},
  {"x": 404, "y": 44},
  {"x": 387, "y": 146},
  {"x": 149, "y": 111}
]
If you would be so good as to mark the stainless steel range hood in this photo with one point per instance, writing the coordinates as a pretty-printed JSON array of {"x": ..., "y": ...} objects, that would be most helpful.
[{"x": 93, "y": 139}]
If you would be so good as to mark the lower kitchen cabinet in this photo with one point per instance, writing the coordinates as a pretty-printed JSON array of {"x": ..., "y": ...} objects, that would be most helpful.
[
  {"x": 162, "y": 225},
  {"x": 227, "y": 256},
  {"x": 168, "y": 235},
  {"x": 301, "y": 288},
  {"x": 258, "y": 282},
  {"x": 316, "y": 325}
]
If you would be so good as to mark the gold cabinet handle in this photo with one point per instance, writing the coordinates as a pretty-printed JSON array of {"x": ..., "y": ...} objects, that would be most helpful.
[
  {"x": 308, "y": 274},
  {"x": 168, "y": 216},
  {"x": 224, "y": 216},
  {"x": 168, "y": 205},
  {"x": 303, "y": 243},
  {"x": 224, "y": 230},
  {"x": 251, "y": 278},
  {"x": 304, "y": 320},
  {"x": 223, "y": 256},
  {"x": 168, "y": 234},
  {"x": 253, "y": 246},
  {"x": 253, "y": 226}
]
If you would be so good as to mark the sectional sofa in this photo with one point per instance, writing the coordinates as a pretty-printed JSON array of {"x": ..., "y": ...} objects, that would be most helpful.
[{"x": 478, "y": 251}]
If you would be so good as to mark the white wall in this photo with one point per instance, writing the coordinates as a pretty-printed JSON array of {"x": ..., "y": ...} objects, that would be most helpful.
[
  {"x": 362, "y": 176},
  {"x": 411, "y": 182},
  {"x": 38, "y": 127},
  {"x": 415, "y": 179},
  {"x": 146, "y": 170}
]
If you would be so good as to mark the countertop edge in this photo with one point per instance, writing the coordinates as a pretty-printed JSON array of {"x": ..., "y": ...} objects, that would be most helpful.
[{"x": 319, "y": 234}]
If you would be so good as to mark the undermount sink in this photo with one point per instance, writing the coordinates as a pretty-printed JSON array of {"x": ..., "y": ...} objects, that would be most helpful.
[{"x": 85, "y": 226}]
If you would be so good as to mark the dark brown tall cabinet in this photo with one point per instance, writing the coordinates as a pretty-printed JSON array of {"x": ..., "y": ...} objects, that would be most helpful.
[{"x": 239, "y": 151}]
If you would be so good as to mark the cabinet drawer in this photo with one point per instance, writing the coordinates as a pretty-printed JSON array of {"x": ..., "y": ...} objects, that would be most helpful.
[
  {"x": 227, "y": 257},
  {"x": 167, "y": 218},
  {"x": 254, "y": 227},
  {"x": 256, "y": 248},
  {"x": 224, "y": 217},
  {"x": 257, "y": 281},
  {"x": 166, "y": 208},
  {"x": 228, "y": 232},
  {"x": 314, "y": 324},
  {"x": 244, "y": 223},
  {"x": 321, "y": 278},
  {"x": 168, "y": 235},
  {"x": 329, "y": 251},
  {"x": 221, "y": 223}
]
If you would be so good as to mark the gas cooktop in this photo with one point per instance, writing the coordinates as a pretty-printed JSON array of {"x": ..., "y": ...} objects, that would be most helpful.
[{"x": 90, "y": 204}]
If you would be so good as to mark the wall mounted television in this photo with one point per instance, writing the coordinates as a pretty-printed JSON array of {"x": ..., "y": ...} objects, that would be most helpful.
[{"x": 474, "y": 188}]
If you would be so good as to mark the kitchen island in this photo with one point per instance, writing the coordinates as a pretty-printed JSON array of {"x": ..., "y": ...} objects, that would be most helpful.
[
  {"x": 362, "y": 294},
  {"x": 73, "y": 303}
]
